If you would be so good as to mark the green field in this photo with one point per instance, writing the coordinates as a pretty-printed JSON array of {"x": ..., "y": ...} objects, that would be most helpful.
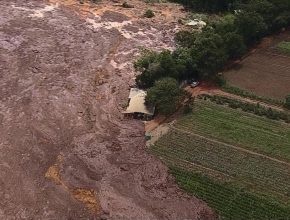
[
  {"x": 284, "y": 46},
  {"x": 252, "y": 170},
  {"x": 212, "y": 154},
  {"x": 230, "y": 202},
  {"x": 239, "y": 128}
]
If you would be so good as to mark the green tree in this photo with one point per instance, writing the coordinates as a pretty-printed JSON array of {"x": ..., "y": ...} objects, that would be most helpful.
[
  {"x": 165, "y": 95},
  {"x": 234, "y": 44},
  {"x": 209, "y": 53},
  {"x": 154, "y": 66},
  {"x": 251, "y": 26},
  {"x": 287, "y": 102}
]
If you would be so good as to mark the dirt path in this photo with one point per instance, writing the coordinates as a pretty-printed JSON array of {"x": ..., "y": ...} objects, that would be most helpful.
[
  {"x": 65, "y": 151},
  {"x": 231, "y": 146}
]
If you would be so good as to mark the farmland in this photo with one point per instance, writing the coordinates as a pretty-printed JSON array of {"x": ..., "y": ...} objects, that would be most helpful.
[
  {"x": 266, "y": 72},
  {"x": 235, "y": 161},
  {"x": 242, "y": 129}
]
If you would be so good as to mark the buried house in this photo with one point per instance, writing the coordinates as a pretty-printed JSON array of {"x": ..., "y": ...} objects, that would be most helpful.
[{"x": 137, "y": 107}]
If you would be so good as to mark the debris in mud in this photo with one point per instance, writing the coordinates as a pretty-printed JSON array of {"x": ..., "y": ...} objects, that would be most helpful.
[{"x": 86, "y": 196}]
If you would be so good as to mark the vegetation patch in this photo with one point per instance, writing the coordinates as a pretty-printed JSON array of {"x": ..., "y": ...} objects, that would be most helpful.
[
  {"x": 284, "y": 46},
  {"x": 149, "y": 13},
  {"x": 249, "y": 107}
]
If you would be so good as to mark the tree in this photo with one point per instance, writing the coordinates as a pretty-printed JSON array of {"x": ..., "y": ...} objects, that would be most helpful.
[
  {"x": 287, "y": 102},
  {"x": 209, "y": 53},
  {"x": 251, "y": 26},
  {"x": 165, "y": 95},
  {"x": 154, "y": 66},
  {"x": 235, "y": 44}
]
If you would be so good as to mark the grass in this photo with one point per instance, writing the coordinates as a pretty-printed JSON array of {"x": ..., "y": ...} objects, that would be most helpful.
[
  {"x": 284, "y": 46},
  {"x": 239, "y": 128}
]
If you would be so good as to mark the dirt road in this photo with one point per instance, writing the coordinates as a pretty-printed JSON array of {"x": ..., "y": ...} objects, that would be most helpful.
[{"x": 65, "y": 152}]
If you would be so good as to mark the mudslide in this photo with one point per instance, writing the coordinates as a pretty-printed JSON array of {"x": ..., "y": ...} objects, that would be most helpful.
[{"x": 65, "y": 151}]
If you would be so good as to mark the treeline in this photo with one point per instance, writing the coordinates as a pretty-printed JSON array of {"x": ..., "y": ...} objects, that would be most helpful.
[{"x": 203, "y": 54}]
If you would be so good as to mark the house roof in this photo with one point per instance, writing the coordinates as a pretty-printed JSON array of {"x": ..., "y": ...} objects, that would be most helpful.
[{"x": 137, "y": 102}]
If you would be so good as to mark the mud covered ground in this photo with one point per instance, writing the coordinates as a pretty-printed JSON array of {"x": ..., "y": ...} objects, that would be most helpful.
[{"x": 65, "y": 151}]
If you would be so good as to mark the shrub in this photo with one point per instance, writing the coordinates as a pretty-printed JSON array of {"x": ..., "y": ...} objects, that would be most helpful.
[
  {"x": 287, "y": 102},
  {"x": 149, "y": 13},
  {"x": 126, "y": 5}
]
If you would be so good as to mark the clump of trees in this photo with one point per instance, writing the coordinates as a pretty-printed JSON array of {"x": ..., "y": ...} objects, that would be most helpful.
[{"x": 202, "y": 55}]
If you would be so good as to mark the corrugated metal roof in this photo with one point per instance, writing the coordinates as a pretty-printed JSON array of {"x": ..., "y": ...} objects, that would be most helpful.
[{"x": 137, "y": 102}]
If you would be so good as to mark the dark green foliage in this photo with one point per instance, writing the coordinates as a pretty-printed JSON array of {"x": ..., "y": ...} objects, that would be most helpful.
[
  {"x": 149, "y": 13},
  {"x": 235, "y": 44},
  {"x": 230, "y": 201},
  {"x": 208, "y": 53},
  {"x": 186, "y": 38},
  {"x": 251, "y": 26},
  {"x": 154, "y": 66},
  {"x": 166, "y": 95},
  {"x": 287, "y": 102}
]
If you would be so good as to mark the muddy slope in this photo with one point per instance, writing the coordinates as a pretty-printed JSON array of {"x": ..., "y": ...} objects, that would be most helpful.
[{"x": 65, "y": 152}]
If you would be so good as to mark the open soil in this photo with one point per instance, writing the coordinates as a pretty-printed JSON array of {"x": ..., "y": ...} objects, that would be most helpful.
[
  {"x": 266, "y": 71},
  {"x": 65, "y": 151}
]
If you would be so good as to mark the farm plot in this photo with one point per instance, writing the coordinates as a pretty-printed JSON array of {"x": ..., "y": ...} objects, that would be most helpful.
[
  {"x": 239, "y": 128},
  {"x": 211, "y": 153},
  {"x": 254, "y": 171},
  {"x": 265, "y": 73}
]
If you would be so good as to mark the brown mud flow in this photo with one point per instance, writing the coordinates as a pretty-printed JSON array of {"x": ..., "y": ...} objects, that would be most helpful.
[{"x": 65, "y": 151}]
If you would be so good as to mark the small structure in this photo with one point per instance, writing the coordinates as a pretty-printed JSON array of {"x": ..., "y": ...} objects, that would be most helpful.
[
  {"x": 137, "y": 107},
  {"x": 196, "y": 23}
]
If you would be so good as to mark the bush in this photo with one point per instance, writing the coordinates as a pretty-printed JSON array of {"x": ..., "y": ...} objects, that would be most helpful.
[
  {"x": 126, "y": 5},
  {"x": 149, "y": 13},
  {"x": 287, "y": 102}
]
